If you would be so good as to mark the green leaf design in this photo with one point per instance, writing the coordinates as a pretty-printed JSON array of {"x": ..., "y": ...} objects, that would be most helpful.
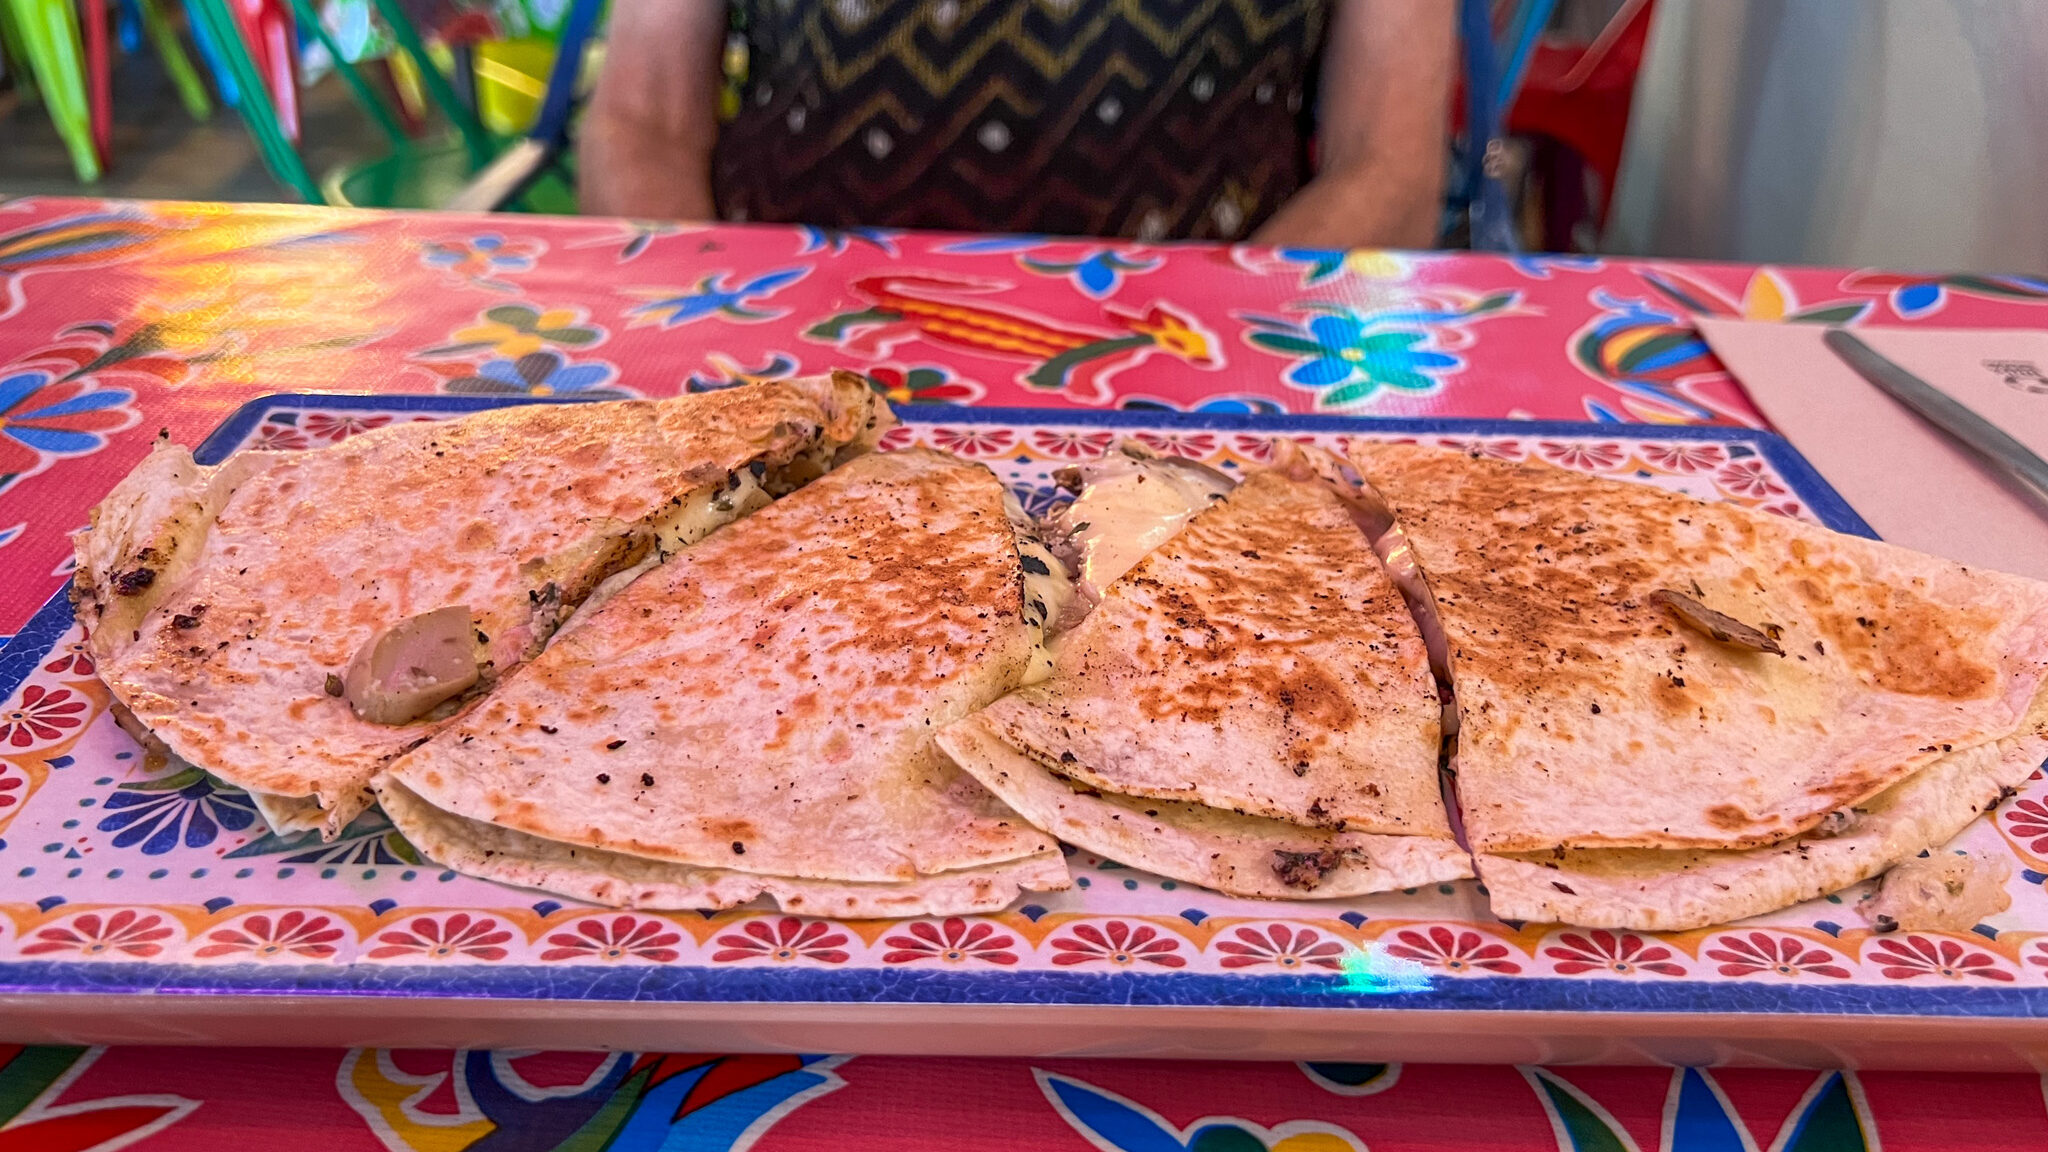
[
  {"x": 568, "y": 337},
  {"x": 1291, "y": 345},
  {"x": 1839, "y": 314},
  {"x": 1385, "y": 342},
  {"x": 518, "y": 316},
  {"x": 1654, "y": 347},
  {"x": 1832, "y": 1122},
  {"x": 1407, "y": 381},
  {"x": 1493, "y": 303},
  {"x": 30, "y": 1074},
  {"x": 598, "y": 1131},
  {"x": 1585, "y": 1124},
  {"x": 1984, "y": 287},
  {"x": 1350, "y": 393}
]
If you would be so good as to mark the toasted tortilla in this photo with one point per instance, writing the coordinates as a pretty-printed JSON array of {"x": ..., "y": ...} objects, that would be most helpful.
[
  {"x": 224, "y": 604},
  {"x": 1234, "y": 854},
  {"x": 1594, "y": 716},
  {"x": 766, "y": 701},
  {"x": 1653, "y": 890},
  {"x": 1260, "y": 661},
  {"x": 623, "y": 881}
]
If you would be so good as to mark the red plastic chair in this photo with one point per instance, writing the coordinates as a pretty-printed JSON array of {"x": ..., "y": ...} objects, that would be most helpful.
[{"x": 1579, "y": 94}]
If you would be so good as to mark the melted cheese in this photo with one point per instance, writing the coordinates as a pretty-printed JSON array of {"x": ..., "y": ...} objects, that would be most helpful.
[
  {"x": 1048, "y": 588},
  {"x": 1126, "y": 508}
]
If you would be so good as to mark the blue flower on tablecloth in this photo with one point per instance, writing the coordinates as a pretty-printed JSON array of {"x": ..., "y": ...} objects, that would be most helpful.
[
  {"x": 714, "y": 296},
  {"x": 1229, "y": 404},
  {"x": 544, "y": 373},
  {"x": 187, "y": 806},
  {"x": 483, "y": 260},
  {"x": 44, "y": 419},
  {"x": 836, "y": 240},
  {"x": 1098, "y": 273},
  {"x": 1539, "y": 266},
  {"x": 1111, "y": 1122},
  {"x": 1346, "y": 356}
]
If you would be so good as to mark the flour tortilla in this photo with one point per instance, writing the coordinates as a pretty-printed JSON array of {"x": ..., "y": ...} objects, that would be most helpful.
[
  {"x": 766, "y": 701},
  {"x": 219, "y": 600},
  {"x": 1259, "y": 661},
  {"x": 1651, "y": 890},
  {"x": 1234, "y": 854},
  {"x": 1593, "y": 718},
  {"x": 624, "y": 881}
]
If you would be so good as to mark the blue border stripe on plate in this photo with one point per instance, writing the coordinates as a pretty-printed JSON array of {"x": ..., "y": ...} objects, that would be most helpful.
[{"x": 784, "y": 984}]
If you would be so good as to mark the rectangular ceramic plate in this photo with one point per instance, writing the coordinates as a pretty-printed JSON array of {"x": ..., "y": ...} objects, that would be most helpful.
[{"x": 144, "y": 907}]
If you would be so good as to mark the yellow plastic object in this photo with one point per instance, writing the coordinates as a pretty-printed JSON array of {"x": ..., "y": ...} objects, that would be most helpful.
[{"x": 511, "y": 80}]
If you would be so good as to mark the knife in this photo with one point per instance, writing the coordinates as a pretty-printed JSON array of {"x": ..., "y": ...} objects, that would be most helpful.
[{"x": 1941, "y": 410}]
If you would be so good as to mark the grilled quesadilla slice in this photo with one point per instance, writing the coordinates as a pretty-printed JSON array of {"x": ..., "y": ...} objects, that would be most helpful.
[
  {"x": 627, "y": 881},
  {"x": 291, "y": 621},
  {"x": 1634, "y": 668},
  {"x": 1260, "y": 669},
  {"x": 765, "y": 702},
  {"x": 1672, "y": 890}
]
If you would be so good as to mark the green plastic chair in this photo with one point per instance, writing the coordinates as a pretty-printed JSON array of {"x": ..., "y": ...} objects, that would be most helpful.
[{"x": 49, "y": 39}]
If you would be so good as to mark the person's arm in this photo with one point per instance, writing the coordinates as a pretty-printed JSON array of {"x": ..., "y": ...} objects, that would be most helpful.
[
  {"x": 1384, "y": 113},
  {"x": 645, "y": 147}
]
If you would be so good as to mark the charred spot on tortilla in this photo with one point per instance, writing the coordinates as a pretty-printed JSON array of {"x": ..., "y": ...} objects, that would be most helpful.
[
  {"x": 187, "y": 620},
  {"x": 134, "y": 582},
  {"x": 1835, "y": 823},
  {"x": 334, "y": 685},
  {"x": 1305, "y": 870},
  {"x": 1722, "y": 627}
]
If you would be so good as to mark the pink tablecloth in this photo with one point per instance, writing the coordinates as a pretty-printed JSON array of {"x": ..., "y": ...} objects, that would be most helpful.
[{"x": 117, "y": 320}]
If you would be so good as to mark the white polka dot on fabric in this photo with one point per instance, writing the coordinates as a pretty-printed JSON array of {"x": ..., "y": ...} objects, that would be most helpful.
[
  {"x": 1152, "y": 226},
  {"x": 795, "y": 119},
  {"x": 994, "y": 136},
  {"x": 1203, "y": 87},
  {"x": 944, "y": 13},
  {"x": 879, "y": 144},
  {"x": 1229, "y": 218},
  {"x": 1264, "y": 93},
  {"x": 1110, "y": 110}
]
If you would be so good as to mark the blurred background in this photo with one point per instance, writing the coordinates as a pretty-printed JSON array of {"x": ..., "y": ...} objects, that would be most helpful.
[{"x": 1903, "y": 133}]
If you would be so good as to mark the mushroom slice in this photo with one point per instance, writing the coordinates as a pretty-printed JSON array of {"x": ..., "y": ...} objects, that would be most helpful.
[{"x": 408, "y": 669}]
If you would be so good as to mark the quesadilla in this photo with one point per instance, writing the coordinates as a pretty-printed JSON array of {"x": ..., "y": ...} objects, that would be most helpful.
[
  {"x": 1673, "y": 712},
  {"x": 291, "y": 621},
  {"x": 757, "y": 716},
  {"x": 1248, "y": 707}
]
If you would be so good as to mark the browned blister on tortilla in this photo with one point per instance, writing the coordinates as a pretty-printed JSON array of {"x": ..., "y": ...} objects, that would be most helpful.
[
  {"x": 273, "y": 571},
  {"x": 1593, "y": 718}
]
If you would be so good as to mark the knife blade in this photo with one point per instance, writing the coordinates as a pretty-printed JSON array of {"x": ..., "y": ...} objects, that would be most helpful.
[{"x": 1940, "y": 409}]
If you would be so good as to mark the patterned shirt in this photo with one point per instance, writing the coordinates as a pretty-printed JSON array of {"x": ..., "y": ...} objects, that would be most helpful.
[{"x": 1145, "y": 118}]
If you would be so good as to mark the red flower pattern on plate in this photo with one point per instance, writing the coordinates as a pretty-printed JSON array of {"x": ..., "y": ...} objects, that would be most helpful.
[
  {"x": 1193, "y": 445},
  {"x": 334, "y": 427},
  {"x": 1748, "y": 478},
  {"x": 1253, "y": 447},
  {"x": 1280, "y": 946},
  {"x": 1583, "y": 456},
  {"x": 1747, "y": 954},
  {"x": 1072, "y": 444},
  {"x": 901, "y": 436},
  {"x": 292, "y": 934},
  {"x": 1452, "y": 951},
  {"x": 1786, "y": 508},
  {"x": 43, "y": 714},
  {"x": 75, "y": 658},
  {"x": 2027, "y": 821},
  {"x": 126, "y": 932},
  {"x": 952, "y": 940},
  {"x": 1498, "y": 449},
  {"x": 1623, "y": 954},
  {"x": 614, "y": 939},
  {"x": 13, "y": 785},
  {"x": 279, "y": 438},
  {"x": 783, "y": 940},
  {"x": 1687, "y": 458},
  {"x": 974, "y": 441},
  {"x": 459, "y": 935},
  {"x": 1118, "y": 943},
  {"x": 1914, "y": 956}
]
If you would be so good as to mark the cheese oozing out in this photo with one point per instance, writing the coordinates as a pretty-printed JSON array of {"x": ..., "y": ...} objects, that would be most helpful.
[
  {"x": 1048, "y": 588},
  {"x": 1128, "y": 503}
]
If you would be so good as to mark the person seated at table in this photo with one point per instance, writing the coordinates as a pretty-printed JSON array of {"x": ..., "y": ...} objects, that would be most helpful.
[{"x": 1154, "y": 119}]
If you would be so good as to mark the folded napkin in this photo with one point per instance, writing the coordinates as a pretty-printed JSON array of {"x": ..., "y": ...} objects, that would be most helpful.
[{"x": 1914, "y": 484}]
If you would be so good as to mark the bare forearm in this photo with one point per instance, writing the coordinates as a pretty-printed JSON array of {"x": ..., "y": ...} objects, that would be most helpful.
[
  {"x": 647, "y": 139},
  {"x": 1385, "y": 205}
]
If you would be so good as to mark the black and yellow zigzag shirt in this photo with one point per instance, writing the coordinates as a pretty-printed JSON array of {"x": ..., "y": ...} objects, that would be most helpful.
[{"x": 1144, "y": 118}]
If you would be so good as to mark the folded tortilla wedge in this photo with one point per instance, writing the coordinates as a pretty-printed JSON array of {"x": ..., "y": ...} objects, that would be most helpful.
[
  {"x": 1673, "y": 713},
  {"x": 1249, "y": 708},
  {"x": 290, "y": 621},
  {"x": 757, "y": 716}
]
